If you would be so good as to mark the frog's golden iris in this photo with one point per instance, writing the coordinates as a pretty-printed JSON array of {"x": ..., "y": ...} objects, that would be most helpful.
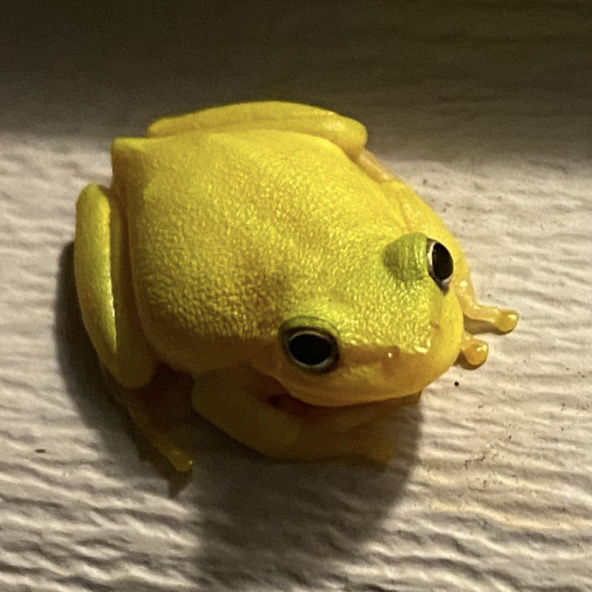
[{"x": 263, "y": 250}]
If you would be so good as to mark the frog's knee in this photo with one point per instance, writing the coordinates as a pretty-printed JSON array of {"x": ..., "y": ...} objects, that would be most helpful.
[{"x": 104, "y": 289}]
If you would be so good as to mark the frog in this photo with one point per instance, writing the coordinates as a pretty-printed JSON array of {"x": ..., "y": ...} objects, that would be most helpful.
[{"x": 264, "y": 251}]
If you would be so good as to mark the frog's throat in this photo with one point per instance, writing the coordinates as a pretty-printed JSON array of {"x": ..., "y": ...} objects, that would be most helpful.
[{"x": 290, "y": 404}]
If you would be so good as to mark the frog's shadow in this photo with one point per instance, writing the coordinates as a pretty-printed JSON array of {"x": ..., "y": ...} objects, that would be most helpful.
[
  {"x": 269, "y": 521},
  {"x": 88, "y": 387},
  {"x": 255, "y": 517},
  {"x": 82, "y": 372}
]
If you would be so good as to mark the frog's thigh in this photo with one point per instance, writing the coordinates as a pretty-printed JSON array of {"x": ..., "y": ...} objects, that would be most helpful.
[
  {"x": 223, "y": 398},
  {"x": 103, "y": 282},
  {"x": 348, "y": 134}
]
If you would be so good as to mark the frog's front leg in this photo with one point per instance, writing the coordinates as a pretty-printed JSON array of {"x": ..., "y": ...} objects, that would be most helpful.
[
  {"x": 503, "y": 319},
  {"x": 239, "y": 404},
  {"x": 475, "y": 350}
]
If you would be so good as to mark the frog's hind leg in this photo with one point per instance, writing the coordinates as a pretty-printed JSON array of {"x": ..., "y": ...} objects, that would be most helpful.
[
  {"x": 104, "y": 286},
  {"x": 503, "y": 319},
  {"x": 105, "y": 294},
  {"x": 158, "y": 412}
]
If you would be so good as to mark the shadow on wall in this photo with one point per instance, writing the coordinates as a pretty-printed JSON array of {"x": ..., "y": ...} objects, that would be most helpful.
[
  {"x": 266, "y": 521},
  {"x": 257, "y": 519},
  {"x": 88, "y": 386},
  {"x": 82, "y": 373}
]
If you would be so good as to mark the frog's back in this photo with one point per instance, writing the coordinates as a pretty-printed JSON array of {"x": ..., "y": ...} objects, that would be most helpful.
[
  {"x": 268, "y": 173},
  {"x": 257, "y": 198},
  {"x": 225, "y": 225}
]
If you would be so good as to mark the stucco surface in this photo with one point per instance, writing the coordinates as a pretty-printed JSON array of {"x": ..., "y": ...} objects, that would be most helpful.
[{"x": 486, "y": 109}]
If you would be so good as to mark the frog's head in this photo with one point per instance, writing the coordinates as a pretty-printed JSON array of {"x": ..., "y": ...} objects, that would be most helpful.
[{"x": 392, "y": 327}]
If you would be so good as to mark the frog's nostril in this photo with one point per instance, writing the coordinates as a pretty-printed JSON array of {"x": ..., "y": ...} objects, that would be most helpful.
[
  {"x": 392, "y": 353},
  {"x": 389, "y": 359}
]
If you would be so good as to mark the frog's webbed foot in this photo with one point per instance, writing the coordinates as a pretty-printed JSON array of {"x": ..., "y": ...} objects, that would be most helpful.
[
  {"x": 503, "y": 319},
  {"x": 156, "y": 410}
]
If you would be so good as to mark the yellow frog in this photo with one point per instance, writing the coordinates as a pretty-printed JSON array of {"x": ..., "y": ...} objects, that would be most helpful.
[{"x": 261, "y": 249}]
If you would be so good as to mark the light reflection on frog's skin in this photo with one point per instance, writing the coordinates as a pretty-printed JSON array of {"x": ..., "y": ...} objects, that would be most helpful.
[{"x": 261, "y": 249}]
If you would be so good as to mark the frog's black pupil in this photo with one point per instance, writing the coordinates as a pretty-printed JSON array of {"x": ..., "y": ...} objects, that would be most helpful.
[
  {"x": 441, "y": 262},
  {"x": 310, "y": 349}
]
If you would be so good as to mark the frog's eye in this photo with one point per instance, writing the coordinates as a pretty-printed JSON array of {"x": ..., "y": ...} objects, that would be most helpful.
[
  {"x": 311, "y": 348},
  {"x": 440, "y": 264}
]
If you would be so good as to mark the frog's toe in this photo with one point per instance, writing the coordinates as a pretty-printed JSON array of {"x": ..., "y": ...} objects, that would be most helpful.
[
  {"x": 502, "y": 319},
  {"x": 474, "y": 350},
  {"x": 179, "y": 458},
  {"x": 159, "y": 439},
  {"x": 506, "y": 321}
]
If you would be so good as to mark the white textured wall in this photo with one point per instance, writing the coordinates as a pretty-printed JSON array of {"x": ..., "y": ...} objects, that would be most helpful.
[{"x": 486, "y": 109}]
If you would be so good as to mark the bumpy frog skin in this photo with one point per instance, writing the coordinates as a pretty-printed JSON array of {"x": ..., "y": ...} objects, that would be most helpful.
[{"x": 261, "y": 249}]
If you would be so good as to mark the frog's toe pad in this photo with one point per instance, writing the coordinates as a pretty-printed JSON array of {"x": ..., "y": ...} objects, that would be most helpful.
[
  {"x": 507, "y": 320},
  {"x": 474, "y": 350}
]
